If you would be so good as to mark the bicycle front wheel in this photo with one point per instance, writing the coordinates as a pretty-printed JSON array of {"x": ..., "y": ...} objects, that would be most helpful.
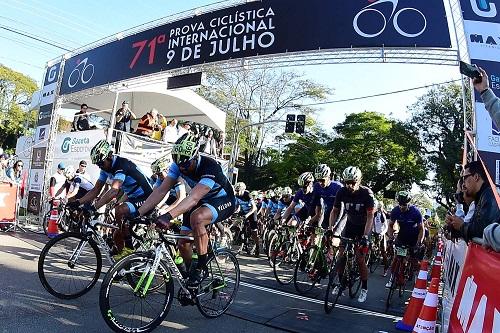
[
  {"x": 69, "y": 265},
  {"x": 126, "y": 300},
  {"x": 307, "y": 272},
  {"x": 218, "y": 291},
  {"x": 284, "y": 262}
]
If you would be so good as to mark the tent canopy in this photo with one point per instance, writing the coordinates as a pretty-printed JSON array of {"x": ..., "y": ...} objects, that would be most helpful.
[{"x": 182, "y": 104}]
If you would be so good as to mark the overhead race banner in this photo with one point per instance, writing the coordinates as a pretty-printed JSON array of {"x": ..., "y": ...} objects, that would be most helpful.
[
  {"x": 477, "y": 303},
  {"x": 261, "y": 28},
  {"x": 482, "y": 28}
]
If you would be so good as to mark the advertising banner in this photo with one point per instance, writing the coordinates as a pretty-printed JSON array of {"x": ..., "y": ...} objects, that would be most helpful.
[
  {"x": 8, "y": 199},
  {"x": 261, "y": 28},
  {"x": 477, "y": 303}
]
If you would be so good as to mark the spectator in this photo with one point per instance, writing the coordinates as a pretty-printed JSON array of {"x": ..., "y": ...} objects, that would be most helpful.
[
  {"x": 124, "y": 117},
  {"x": 15, "y": 173},
  {"x": 4, "y": 162},
  {"x": 81, "y": 119},
  {"x": 220, "y": 144},
  {"x": 475, "y": 185},
  {"x": 170, "y": 133},
  {"x": 148, "y": 123},
  {"x": 57, "y": 181},
  {"x": 185, "y": 128},
  {"x": 491, "y": 236},
  {"x": 158, "y": 130},
  {"x": 82, "y": 167},
  {"x": 491, "y": 102},
  {"x": 208, "y": 143}
]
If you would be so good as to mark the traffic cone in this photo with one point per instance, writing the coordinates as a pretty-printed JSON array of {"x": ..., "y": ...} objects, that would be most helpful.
[
  {"x": 416, "y": 301},
  {"x": 426, "y": 322},
  {"x": 436, "y": 267},
  {"x": 52, "y": 229}
]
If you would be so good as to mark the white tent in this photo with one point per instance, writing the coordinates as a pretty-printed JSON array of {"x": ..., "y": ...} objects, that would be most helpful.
[{"x": 182, "y": 104}]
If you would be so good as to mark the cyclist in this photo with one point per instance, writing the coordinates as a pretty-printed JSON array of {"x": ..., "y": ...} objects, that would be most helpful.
[
  {"x": 78, "y": 185},
  {"x": 248, "y": 210},
  {"x": 359, "y": 203},
  {"x": 304, "y": 195},
  {"x": 324, "y": 193},
  {"x": 283, "y": 203},
  {"x": 272, "y": 204},
  {"x": 211, "y": 200},
  {"x": 411, "y": 227},
  {"x": 128, "y": 184},
  {"x": 177, "y": 193},
  {"x": 380, "y": 227}
]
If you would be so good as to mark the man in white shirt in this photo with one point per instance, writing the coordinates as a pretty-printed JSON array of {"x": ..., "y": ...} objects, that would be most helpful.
[
  {"x": 185, "y": 128},
  {"x": 57, "y": 181},
  {"x": 380, "y": 227},
  {"x": 170, "y": 133}
]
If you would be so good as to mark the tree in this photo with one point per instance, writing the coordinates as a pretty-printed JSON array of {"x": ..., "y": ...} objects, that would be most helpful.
[
  {"x": 437, "y": 117},
  {"x": 257, "y": 95},
  {"x": 16, "y": 90},
  {"x": 387, "y": 151}
]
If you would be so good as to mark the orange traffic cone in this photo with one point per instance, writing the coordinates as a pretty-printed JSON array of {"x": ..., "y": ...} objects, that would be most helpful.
[
  {"x": 436, "y": 267},
  {"x": 416, "y": 301},
  {"x": 52, "y": 229},
  {"x": 426, "y": 322}
]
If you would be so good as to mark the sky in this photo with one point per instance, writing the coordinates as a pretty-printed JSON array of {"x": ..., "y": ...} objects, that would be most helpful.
[{"x": 76, "y": 23}]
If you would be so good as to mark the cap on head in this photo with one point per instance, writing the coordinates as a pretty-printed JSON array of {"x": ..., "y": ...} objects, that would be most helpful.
[
  {"x": 83, "y": 163},
  {"x": 61, "y": 166}
]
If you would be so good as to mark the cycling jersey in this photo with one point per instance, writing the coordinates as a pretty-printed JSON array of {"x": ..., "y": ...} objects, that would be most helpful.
[
  {"x": 409, "y": 224},
  {"x": 356, "y": 204},
  {"x": 327, "y": 195},
  {"x": 81, "y": 182},
  {"x": 283, "y": 205},
  {"x": 136, "y": 185},
  {"x": 379, "y": 223},
  {"x": 174, "y": 190},
  {"x": 272, "y": 205},
  {"x": 245, "y": 202},
  {"x": 306, "y": 198}
]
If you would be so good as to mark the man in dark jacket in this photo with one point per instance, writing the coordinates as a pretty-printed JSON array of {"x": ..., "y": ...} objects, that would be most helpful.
[{"x": 475, "y": 185}]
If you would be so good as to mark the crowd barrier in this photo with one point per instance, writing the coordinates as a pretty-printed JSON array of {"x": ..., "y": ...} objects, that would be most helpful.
[
  {"x": 8, "y": 204},
  {"x": 471, "y": 301}
]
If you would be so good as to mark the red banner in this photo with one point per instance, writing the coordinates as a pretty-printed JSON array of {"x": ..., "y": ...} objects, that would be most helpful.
[
  {"x": 477, "y": 304},
  {"x": 8, "y": 198}
]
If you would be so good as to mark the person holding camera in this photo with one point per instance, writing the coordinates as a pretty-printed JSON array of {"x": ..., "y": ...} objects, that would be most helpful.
[{"x": 491, "y": 102}]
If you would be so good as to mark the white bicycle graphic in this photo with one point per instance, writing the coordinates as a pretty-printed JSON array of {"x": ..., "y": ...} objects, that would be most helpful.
[
  {"x": 395, "y": 19},
  {"x": 85, "y": 74}
]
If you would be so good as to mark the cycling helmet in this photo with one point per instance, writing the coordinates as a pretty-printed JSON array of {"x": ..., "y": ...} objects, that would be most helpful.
[
  {"x": 100, "y": 151},
  {"x": 69, "y": 172},
  {"x": 287, "y": 191},
  {"x": 270, "y": 194},
  {"x": 278, "y": 191},
  {"x": 254, "y": 194},
  {"x": 322, "y": 171},
  {"x": 403, "y": 197},
  {"x": 161, "y": 164},
  {"x": 185, "y": 148},
  {"x": 240, "y": 186},
  {"x": 305, "y": 178},
  {"x": 351, "y": 173}
]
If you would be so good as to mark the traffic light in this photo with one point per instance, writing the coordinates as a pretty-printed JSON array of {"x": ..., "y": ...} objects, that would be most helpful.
[
  {"x": 290, "y": 123},
  {"x": 300, "y": 125}
]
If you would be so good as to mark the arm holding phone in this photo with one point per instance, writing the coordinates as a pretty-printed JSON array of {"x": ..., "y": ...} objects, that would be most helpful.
[{"x": 491, "y": 102}]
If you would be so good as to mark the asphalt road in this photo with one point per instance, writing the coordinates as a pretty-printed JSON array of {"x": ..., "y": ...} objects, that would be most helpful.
[{"x": 261, "y": 304}]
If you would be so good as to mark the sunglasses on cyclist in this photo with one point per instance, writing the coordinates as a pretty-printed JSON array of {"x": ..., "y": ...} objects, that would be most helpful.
[{"x": 350, "y": 182}]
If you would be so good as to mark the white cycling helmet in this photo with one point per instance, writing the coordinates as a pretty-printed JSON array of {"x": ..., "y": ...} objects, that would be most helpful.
[
  {"x": 351, "y": 173},
  {"x": 69, "y": 172},
  {"x": 305, "y": 178},
  {"x": 286, "y": 191},
  {"x": 322, "y": 171},
  {"x": 240, "y": 186},
  {"x": 270, "y": 194}
]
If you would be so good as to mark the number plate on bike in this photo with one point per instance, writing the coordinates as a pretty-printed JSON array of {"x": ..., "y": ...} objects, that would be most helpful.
[{"x": 401, "y": 252}]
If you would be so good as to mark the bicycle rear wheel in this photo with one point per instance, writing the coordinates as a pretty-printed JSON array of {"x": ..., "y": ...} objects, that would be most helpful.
[
  {"x": 69, "y": 265},
  {"x": 125, "y": 309},
  {"x": 354, "y": 281},
  {"x": 307, "y": 272},
  {"x": 218, "y": 291},
  {"x": 394, "y": 285},
  {"x": 374, "y": 261},
  {"x": 334, "y": 289},
  {"x": 284, "y": 262}
]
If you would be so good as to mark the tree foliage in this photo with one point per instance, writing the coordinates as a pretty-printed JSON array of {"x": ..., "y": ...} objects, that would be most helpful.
[{"x": 16, "y": 90}]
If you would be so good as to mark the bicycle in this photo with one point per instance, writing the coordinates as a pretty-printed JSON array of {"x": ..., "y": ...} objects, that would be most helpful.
[
  {"x": 242, "y": 235},
  {"x": 65, "y": 220},
  {"x": 132, "y": 277},
  {"x": 402, "y": 272},
  {"x": 375, "y": 257},
  {"x": 313, "y": 264},
  {"x": 351, "y": 277}
]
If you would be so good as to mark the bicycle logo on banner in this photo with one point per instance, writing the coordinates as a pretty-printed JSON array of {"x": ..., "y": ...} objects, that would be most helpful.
[
  {"x": 82, "y": 72},
  {"x": 395, "y": 19}
]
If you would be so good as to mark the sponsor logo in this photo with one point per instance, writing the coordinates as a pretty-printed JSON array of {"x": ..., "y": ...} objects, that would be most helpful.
[
  {"x": 372, "y": 12},
  {"x": 484, "y": 8},
  {"x": 224, "y": 206},
  {"x": 494, "y": 129},
  {"x": 36, "y": 177},
  {"x": 488, "y": 40},
  {"x": 83, "y": 72},
  {"x": 75, "y": 145},
  {"x": 52, "y": 74},
  {"x": 41, "y": 133},
  {"x": 66, "y": 145}
]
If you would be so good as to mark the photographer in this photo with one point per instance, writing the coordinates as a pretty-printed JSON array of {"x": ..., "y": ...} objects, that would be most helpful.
[{"x": 491, "y": 102}]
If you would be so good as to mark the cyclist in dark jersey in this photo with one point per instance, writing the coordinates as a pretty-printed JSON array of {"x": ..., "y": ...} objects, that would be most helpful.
[
  {"x": 211, "y": 200},
  {"x": 324, "y": 193},
  {"x": 248, "y": 210},
  {"x": 177, "y": 193},
  {"x": 411, "y": 227},
  {"x": 78, "y": 185},
  {"x": 304, "y": 195},
  {"x": 359, "y": 206},
  {"x": 127, "y": 181}
]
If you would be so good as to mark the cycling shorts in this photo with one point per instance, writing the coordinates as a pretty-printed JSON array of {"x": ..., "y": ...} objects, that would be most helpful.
[
  {"x": 353, "y": 231},
  {"x": 133, "y": 204},
  {"x": 222, "y": 208},
  {"x": 253, "y": 222}
]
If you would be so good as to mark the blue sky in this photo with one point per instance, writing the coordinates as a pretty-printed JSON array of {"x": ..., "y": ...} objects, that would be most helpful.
[{"x": 73, "y": 24}]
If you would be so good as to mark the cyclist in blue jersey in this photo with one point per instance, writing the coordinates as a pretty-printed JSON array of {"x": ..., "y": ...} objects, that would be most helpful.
[
  {"x": 211, "y": 200},
  {"x": 265, "y": 205},
  {"x": 128, "y": 183},
  {"x": 272, "y": 205},
  {"x": 248, "y": 210},
  {"x": 324, "y": 193},
  {"x": 411, "y": 226},
  {"x": 177, "y": 193},
  {"x": 283, "y": 203},
  {"x": 305, "y": 196}
]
